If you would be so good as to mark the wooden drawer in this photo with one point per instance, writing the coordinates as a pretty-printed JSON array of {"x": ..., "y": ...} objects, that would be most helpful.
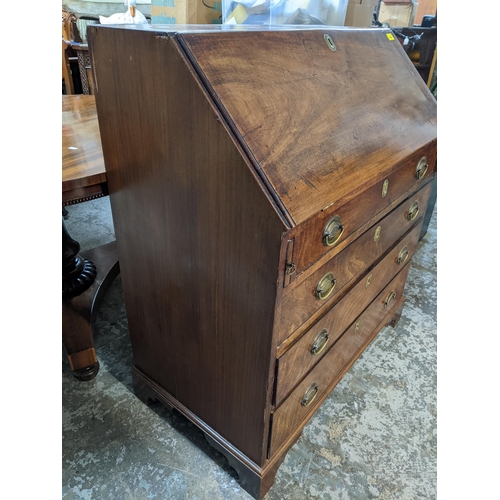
[
  {"x": 308, "y": 243},
  {"x": 294, "y": 412},
  {"x": 299, "y": 303},
  {"x": 303, "y": 355}
]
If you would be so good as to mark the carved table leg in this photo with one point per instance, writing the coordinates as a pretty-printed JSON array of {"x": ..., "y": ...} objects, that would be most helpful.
[
  {"x": 78, "y": 273},
  {"x": 86, "y": 277}
]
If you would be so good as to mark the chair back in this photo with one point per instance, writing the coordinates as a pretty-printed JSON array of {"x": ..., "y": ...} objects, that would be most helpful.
[{"x": 68, "y": 21}]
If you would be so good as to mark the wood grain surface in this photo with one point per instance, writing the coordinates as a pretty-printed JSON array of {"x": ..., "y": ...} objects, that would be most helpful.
[
  {"x": 320, "y": 126},
  {"x": 82, "y": 159},
  {"x": 369, "y": 205},
  {"x": 298, "y": 360},
  {"x": 198, "y": 239},
  {"x": 299, "y": 303},
  {"x": 225, "y": 151},
  {"x": 292, "y": 414}
]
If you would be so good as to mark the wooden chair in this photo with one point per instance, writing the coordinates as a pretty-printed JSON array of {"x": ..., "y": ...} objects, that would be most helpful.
[
  {"x": 75, "y": 50},
  {"x": 67, "y": 20},
  {"x": 84, "y": 66}
]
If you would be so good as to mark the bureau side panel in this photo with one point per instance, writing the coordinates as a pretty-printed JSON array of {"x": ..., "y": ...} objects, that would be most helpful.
[{"x": 198, "y": 240}]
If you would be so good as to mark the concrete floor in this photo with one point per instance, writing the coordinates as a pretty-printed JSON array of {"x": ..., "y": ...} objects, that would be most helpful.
[{"x": 373, "y": 437}]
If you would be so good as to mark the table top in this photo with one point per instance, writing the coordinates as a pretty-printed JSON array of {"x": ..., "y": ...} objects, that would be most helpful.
[{"x": 83, "y": 173}]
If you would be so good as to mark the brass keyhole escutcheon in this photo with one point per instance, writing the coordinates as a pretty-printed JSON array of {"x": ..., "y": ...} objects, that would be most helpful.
[
  {"x": 333, "y": 231},
  {"x": 329, "y": 42},
  {"x": 325, "y": 286},
  {"x": 412, "y": 211},
  {"x": 403, "y": 255},
  {"x": 421, "y": 169},
  {"x": 368, "y": 280},
  {"x": 320, "y": 342},
  {"x": 377, "y": 233},
  {"x": 385, "y": 188},
  {"x": 310, "y": 394},
  {"x": 391, "y": 296},
  {"x": 356, "y": 328}
]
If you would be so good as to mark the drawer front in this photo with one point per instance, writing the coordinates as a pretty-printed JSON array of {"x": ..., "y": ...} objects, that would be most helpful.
[
  {"x": 301, "y": 302},
  {"x": 309, "y": 394},
  {"x": 309, "y": 242},
  {"x": 317, "y": 341}
]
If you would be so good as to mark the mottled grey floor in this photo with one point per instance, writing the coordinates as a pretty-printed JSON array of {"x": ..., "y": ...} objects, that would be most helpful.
[{"x": 373, "y": 437}]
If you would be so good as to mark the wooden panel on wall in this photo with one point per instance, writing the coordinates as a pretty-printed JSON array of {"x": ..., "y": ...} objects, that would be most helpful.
[{"x": 425, "y": 7}]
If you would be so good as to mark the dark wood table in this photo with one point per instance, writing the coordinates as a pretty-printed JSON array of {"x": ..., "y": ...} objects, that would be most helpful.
[{"x": 87, "y": 275}]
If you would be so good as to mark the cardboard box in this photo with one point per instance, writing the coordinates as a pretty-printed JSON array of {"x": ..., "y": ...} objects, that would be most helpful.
[
  {"x": 360, "y": 13},
  {"x": 186, "y": 12},
  {"x": 397, "y": 14}
]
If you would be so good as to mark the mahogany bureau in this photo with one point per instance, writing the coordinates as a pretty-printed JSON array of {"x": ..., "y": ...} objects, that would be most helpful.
[{"x": 268, "y": 189}]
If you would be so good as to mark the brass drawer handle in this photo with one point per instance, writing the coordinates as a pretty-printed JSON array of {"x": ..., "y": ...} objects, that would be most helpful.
[
  {"x": 391, "y": 296},
  {"x": 333, "y": 231},
  {"x": 310, "y": 394},
  {"x": 325, "y": 286},
  {"x": 421, "y": 169},
  {"x": 403, "y": 255},
  {"x": 320, "y": 342},
  {"x": 412, "y": 211}
]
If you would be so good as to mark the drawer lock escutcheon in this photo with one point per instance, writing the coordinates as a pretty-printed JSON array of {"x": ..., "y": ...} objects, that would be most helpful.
[
  {"x": 421, "y": 169},
  {"x": 310, "y": 394},
  {"x": 385, "y": 188},
  {"x": 369, "y": 280},
  {"x": 403, "y": 255},
  {"x": 391, "y": 296},
  {"x": 377, "y": 233},
  {"x": 333, "y": 231},
  {"x": 325, "y": 286},
  {"x": 329, "y": 42},
  {"x": 320, "y": 342},
  {"x": 413, "y": 211}
]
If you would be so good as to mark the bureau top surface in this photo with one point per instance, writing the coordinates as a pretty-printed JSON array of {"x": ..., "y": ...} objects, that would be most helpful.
[{"x": 319, "y": 125}]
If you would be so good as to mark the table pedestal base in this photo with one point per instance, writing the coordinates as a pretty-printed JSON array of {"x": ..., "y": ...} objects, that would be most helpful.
[{"x": 79, "y": 313}]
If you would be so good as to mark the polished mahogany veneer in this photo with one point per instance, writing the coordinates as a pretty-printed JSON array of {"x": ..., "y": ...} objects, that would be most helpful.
[
  {"x": 268, "y": 190},
  {"x": 83, "y": 172}
]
